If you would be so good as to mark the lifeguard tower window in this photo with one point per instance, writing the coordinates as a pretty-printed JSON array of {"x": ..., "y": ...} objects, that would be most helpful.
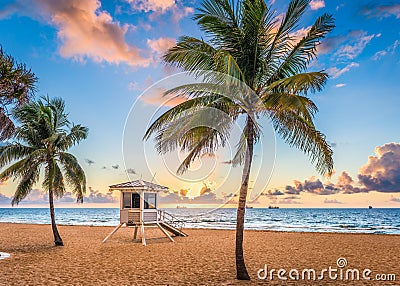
[
  {"x": 149, "y": 200},
  {"x": 131, "y": 200}
]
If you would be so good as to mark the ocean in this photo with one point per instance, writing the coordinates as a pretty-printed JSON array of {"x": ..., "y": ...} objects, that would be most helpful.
[{"x": 383, "y": 220}]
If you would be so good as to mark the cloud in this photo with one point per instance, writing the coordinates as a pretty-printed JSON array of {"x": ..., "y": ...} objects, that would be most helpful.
[
  {"x": 312, "y": 185},
  {"x": 382, "y": 172},
  {"x": 37, "y": 197},
  {"x": 160, "y": 46},
  {"x": 355, "y": 46},
  {"x": 289, "y": 200},
  {"x": 346, "y": 184},
  {"x": 151, "y": 5},
  {"x": 315, "y": 186},
  {"x": 178, "y": 198},
  {"x": 381, "y": 11},
  {"x": 335, "y": 72},
  {"x": 179, "y": 13},
  {"x": 332, "y": 201},
  {"x": 389, "y": 50},
  {"x": 271, "y": 193},
  {"x": 205, "y": 190},
  {"x": 294, "y": 190},
  {"x": 347, "y": 46},
  {"x": 339, "y": 6},
  {"x": 131, "y": 171},
  {"x": 317, "y": 4},
  {"x": 299, "y": 34},
  {"x": 340, "y": 85},
  {"x": 161, "y": 7},
  {"x": 86, "y": 31},
  {"x": 95, "y": 196},
  {"x": 155, "y": 96},
  {"x": 183, "y": 192}
]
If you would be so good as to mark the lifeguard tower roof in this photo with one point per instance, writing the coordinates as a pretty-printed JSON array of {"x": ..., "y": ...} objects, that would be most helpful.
[{"x": 139, "y": 185}]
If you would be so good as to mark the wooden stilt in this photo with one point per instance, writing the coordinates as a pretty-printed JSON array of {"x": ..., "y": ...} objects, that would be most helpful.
[
  {"x": 165, "y": 232},
  {"x": 135, "y": 233},
  {"x": 143, "y": 235},
  {"x": 114, "y": 230}
]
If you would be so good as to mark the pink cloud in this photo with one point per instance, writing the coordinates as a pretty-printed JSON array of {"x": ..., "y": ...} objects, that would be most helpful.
[
  {"x": 151, "y": 5},
  {"x": 336, "y": 72},
  {"x": 317, "y": 4},
  {"x": 299, "y": 34},
  {"x": 161, "y": 45},
  {"x": 382, "y": 172},
  {"x": 88, "y": 32},
  {"x": 332, "y": 201},
  {"x": 382, "y": 11},
  {"x": 179, "y": 13},
  {"x": 353, "y": 49},
  {"x": 160, "y": 7},
  {"x": 155, "y": 96}
]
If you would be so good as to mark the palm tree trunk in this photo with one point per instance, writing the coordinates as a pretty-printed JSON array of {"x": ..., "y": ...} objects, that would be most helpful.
[
  {"x": 57, "y": 238},
  {"x": 241, "y": 271}
]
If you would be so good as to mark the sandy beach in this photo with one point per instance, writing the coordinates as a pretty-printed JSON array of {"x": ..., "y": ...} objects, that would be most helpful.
[{"x": 206, "y": 257}]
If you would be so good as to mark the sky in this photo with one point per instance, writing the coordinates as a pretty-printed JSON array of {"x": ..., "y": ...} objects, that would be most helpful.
[{"x": 104, "y": 59}]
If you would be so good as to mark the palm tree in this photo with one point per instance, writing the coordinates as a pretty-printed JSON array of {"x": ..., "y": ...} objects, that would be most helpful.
[
  {"x": 17, "y": 85},
  {"x": 42, "y": 139},
  {"x": 249, "y": 42}
]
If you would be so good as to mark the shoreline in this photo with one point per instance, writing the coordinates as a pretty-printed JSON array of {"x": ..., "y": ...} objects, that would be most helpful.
[{"x": 211, "y": 229}]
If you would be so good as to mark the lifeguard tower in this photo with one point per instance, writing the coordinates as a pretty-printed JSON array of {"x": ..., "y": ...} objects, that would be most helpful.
[{"x": 138, "y": 209}]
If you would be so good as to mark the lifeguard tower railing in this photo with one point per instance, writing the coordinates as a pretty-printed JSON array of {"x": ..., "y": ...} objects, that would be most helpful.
[
  {"x": 170, "y": 219},
  {"x": 153, "y": 216}
]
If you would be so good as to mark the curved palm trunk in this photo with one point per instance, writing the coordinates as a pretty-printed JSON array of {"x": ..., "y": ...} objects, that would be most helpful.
[
  {"x": 241, "y": 271},
  {"x": 57, "y": 238}
]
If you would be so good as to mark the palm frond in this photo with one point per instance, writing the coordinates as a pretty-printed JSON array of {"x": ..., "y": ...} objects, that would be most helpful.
[
  {"x": 58, "y": 181},
  {"x": 305, "y": 50},
  {"x": 14, "y": 151},
  {"x": 220, "y": 19},
  {"x": 300, "y": 83},
  {"x": 29, "y": 178},
  {"x": 280, "y": 46},
  {"x": 74, "y": 174},
  {"x": 192, "y": 55}
]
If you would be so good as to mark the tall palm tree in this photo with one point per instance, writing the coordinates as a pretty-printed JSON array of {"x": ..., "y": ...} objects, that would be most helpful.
[
  {"x": 42, "y": 140},
  {"x": 250, "y": 42},
  {"x": 17, "y": 85}
]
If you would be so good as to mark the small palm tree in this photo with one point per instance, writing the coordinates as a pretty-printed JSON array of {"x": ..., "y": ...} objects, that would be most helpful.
[
  {"x": 42, "y": 140},
  {"x": 17, "y": 85},
  {"x": 248, "y": 41}
]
